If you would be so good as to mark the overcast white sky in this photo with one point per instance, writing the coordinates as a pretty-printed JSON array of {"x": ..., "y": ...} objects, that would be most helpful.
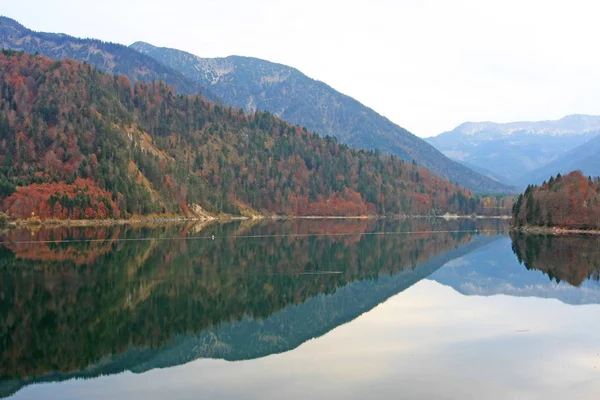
[{"x": 426, "y": 65}]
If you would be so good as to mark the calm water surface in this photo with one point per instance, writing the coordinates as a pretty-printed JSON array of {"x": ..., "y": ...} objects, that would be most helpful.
[{"x": 299, "y": 309}]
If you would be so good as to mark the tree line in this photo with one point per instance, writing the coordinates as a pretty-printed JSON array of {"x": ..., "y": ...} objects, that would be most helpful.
[{"x": 571, "y": 201}]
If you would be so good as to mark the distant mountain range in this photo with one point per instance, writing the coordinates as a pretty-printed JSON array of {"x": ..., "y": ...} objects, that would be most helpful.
[
  {"x": 253, "y": 84},
  {"x": 520, "y": 153},
  {"x": 585, "y": 157}
]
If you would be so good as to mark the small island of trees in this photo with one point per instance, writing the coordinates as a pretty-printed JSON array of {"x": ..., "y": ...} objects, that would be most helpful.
[{"x": 569, "y": 202}]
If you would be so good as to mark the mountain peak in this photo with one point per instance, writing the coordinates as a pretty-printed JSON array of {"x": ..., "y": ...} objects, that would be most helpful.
[
  {"x": 140, "y": 45},
  {"x": 7, "y": 23},
  {"x": 582, "y": 119}
]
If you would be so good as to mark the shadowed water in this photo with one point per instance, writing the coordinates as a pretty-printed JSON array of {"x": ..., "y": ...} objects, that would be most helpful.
[{"x": 297, "y": 309}]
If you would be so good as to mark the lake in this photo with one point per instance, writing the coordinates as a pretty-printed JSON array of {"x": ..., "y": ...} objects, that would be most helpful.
[{"x": 336, "y": 309}]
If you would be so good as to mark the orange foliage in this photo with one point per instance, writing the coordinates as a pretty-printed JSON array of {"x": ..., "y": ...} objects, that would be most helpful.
[
  {"x": 348, "y": 202},
  {"x": 571, "y": 201},
  {"x": 36, "y": 198}
]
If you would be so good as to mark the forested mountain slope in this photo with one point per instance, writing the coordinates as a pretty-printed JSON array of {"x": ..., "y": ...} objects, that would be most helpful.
[
  {"x": 255, "y": 84},
  {"x": 81, "y": 143},
  {"x": 109, "y": 57}
]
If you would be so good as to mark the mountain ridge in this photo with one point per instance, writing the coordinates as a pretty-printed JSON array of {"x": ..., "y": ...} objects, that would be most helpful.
[
  {"x": 107, "y": 56},
  {"x": 572, "y": 124},
  {"x": 516, "y": 149},
  {"x": 256, "y": 84}
]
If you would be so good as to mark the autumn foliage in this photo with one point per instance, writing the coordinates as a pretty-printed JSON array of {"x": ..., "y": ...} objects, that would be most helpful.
[
  {"x": 80, "y": 200},
  {"x": 571, "y": 201},
  {"x": 145, "y": 149}
]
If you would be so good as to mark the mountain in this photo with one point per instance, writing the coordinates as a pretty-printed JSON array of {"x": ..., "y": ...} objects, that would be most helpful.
[
  {"x": 513, "y": 150},
  {"x": 570, "y": 202},
  {"x": 78, "y": 143},
  {"x": 108, "y": 57},
  {"x": 486, "y": 172},
  {"x": 255, "y": 84},
  {"x": 585, "y": 158}
]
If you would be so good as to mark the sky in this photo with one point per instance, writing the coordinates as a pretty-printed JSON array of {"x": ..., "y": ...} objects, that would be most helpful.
[{"x": 426, "y": 65}]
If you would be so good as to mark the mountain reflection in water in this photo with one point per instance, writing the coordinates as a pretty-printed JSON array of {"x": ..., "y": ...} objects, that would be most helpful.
[{"x": 85, "y": 302}]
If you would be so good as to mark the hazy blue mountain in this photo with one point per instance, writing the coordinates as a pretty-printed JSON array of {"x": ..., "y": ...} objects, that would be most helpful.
[
  {"x": 255, "y": 84},
  {"x": 585, "y": 158},
  {"x": 109, "y": 57},
  {"x": 490, "y": 174},
  {"x": 515, "y": 149}
]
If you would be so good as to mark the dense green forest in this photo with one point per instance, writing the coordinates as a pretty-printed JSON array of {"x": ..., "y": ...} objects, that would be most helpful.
[{"x": 79, "y": 143}]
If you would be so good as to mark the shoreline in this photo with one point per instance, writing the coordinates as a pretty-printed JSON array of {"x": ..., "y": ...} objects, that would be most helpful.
[
  {"x": 543, "y": 230},
  {"x": 223, "y": 218},
  {"x": 100, "y": 222}
]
